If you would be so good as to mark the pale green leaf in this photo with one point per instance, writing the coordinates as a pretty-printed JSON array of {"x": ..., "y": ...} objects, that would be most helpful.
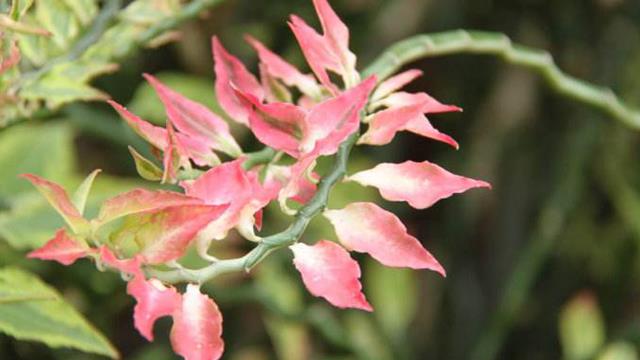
[
  {"x": 31, "y": 310},
  {"x": 56, "y": 17},
  {"x": 582, "y": 332},
  {"x": 146, "y": 169},
  {"x": 79, "y": 198},
  {"x": 85, "y": 10},
  {"x": 42, "y": 149}
]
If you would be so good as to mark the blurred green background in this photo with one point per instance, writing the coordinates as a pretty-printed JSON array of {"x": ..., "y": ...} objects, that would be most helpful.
[{"x": 544, "y": 266}]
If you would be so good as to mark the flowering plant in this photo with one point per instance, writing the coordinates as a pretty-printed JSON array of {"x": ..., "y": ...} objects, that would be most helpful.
[{"x": 299, "y": 118}]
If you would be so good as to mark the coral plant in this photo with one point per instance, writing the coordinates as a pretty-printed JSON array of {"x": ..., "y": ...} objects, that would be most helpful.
[{"x": 299, "y": 118}]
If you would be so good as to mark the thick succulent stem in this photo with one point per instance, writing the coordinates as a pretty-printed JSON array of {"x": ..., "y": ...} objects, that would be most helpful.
[{"x": 497, "y": 44}]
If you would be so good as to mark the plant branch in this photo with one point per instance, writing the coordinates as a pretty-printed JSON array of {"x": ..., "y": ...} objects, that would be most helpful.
[
  {"x": 268, "y": 244},
  {"x": 491, "y": 43}
]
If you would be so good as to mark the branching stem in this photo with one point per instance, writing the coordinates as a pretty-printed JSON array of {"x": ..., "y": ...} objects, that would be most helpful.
[{"x": 268, "y": 244}]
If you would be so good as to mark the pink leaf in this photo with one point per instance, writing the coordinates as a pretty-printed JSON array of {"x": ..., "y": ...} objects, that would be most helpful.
[
  {"x": 142, "y": 200},
  {"x": 429, "y": 104},
  {"x": 58, "y": 198},
  {"x": 280, "y": 69},
  {"x": 328, "y": 271},
  {"x": 278, "y": 125},
  {"x": 230, "y": 72},
  {"x": 329, "y": 51},
  {"x": 197, "y": 327},
  {"x": 62, "y": 248},
  {"x": 332, "y": 121},
  {"x": 421, "y": 184},
  {"x": 153, "y": 301},
  {"x": 420, "y": 125},
  {"x": 384, "y": 124},
  {"x": 316, "y": 51},
  {"x": 230, "y": 184},
  {"x": 367, "y": 228},
  {"x": 195, "y": 120},
  {"x": 166, "y": 234},
  {"x": 129, "y": 266},
  {"x": 395, "y": 83},
  {"x": 155, "y": 135},
  {"x": 336, "y": 34}
]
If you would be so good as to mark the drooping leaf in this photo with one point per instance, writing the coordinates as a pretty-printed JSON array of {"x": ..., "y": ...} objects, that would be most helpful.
[
  {"x": 63, "y": 248},
  {"x": 327, "y": 270},
  {"x": 31, "y": 310},
  {"x": 421, "y": 184},
  {"x": 197, "y": 327},
  {"x": 153, "y": 301},
  {"x": 367, "y": 228}
]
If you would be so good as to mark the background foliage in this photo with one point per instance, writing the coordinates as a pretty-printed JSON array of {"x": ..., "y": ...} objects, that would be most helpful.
[{"x": 546, "y": 265}]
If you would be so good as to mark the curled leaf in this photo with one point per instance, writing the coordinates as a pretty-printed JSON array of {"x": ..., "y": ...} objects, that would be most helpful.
[
  {"x": 153, "y": 301},
  {"x": 197, "y": 327}
]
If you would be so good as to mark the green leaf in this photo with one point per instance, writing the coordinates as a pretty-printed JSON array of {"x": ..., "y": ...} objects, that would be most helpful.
[
  {"x": 393, "y": 293},
  {"x": 31, "y": 310},
  {"x": 79, "y": 198},
  {"x": 582, "y": 332},
  {"x": 56, "y": 17},
  {"x": 145, "y": 102},
  {"x": 65, "y": 83},
  {"x": 85, "y": 10},
  {"x": 42, "y": 149},
  {"x": 146, "y": 169}
]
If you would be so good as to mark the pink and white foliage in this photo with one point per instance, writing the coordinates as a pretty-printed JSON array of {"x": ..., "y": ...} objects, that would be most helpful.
[
  {"x": 62, "y": 248},
  {"x": 328, "y": 271},
  {"x": 367, "y": 228},
  {"x": 421, "y": 184},
  {"x": 146, "y": 233},
  {"x": 197, "y": 327},
  {"x": 153, "y": 301}
]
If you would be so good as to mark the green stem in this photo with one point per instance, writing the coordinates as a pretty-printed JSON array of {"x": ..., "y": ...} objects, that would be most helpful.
[
  {"x": 268, "y": 244},
  {"x": 491, "y": 43}
]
